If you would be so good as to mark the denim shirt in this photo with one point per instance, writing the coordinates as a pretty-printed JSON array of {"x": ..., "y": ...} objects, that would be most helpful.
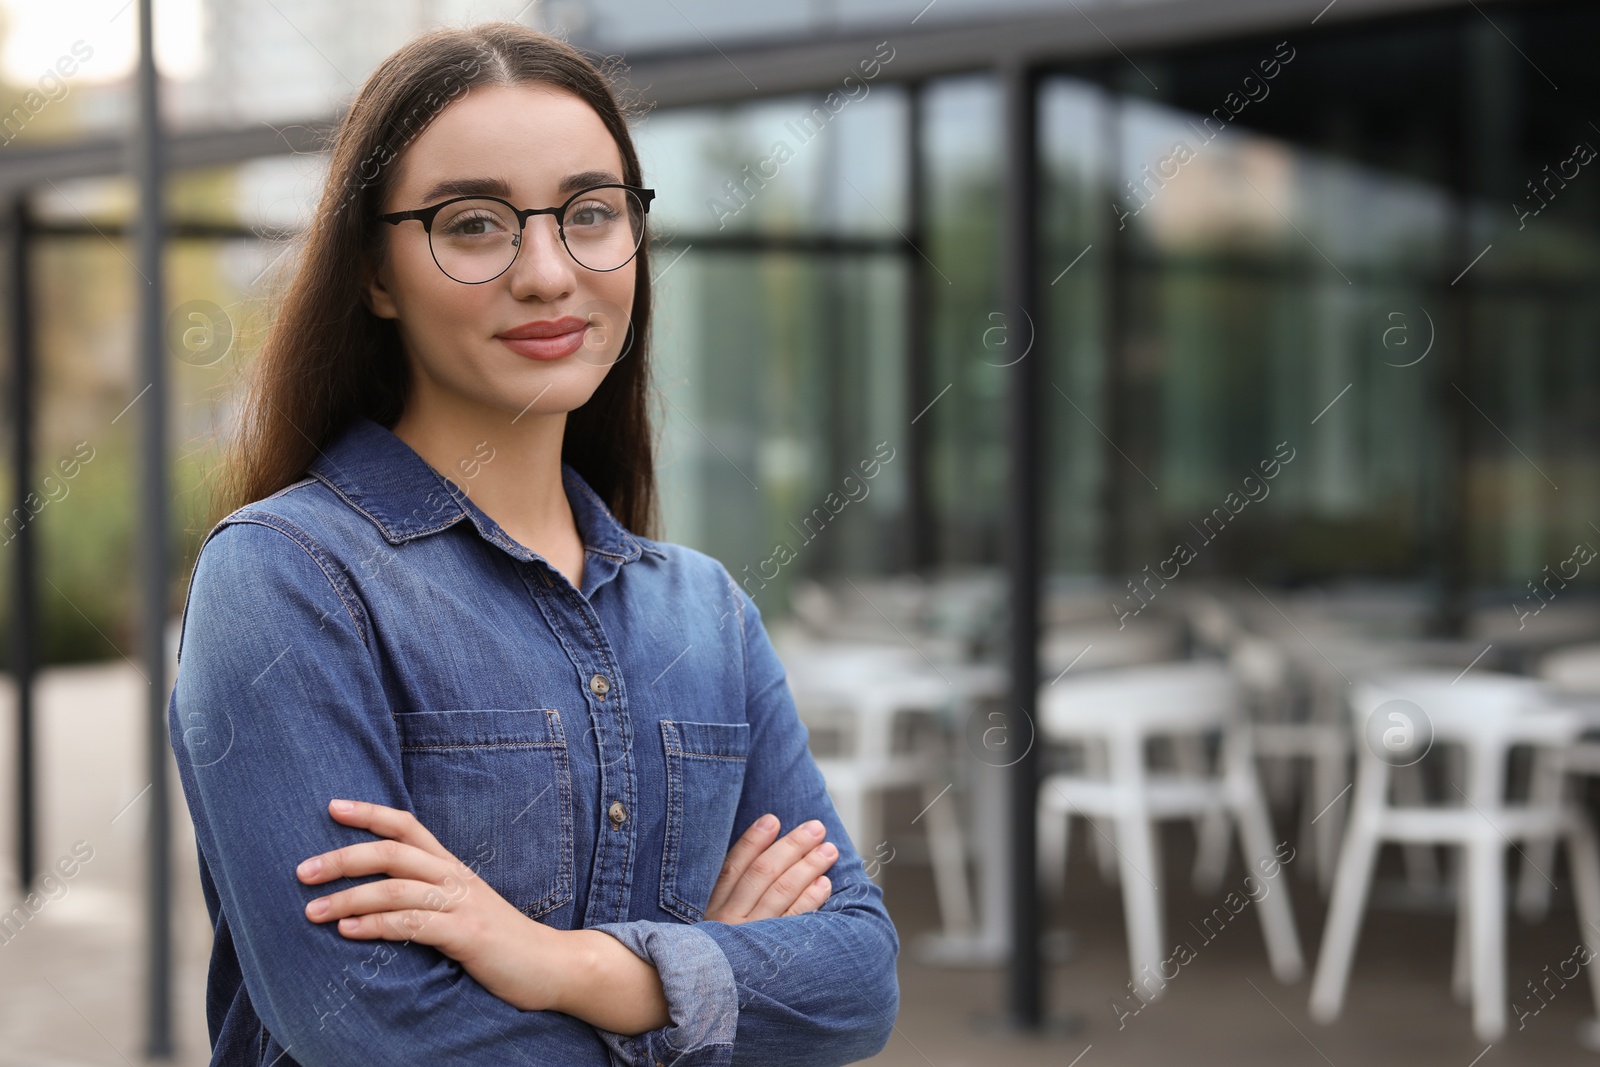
[{"x": 369, "y": 632}]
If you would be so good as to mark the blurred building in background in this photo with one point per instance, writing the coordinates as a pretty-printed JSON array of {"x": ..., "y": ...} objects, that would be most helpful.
[{"x": 1246, "y": 217}]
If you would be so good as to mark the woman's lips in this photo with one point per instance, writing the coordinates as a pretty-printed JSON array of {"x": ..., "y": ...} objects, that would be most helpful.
[{"x": 547, "y": 347}]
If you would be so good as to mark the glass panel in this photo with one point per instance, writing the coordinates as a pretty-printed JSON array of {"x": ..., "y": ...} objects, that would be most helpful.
[
  {"x": 793, "y": 165},
  {"x": 1263, "y": 280},
  {"x": 1074, "y": 250},
  {"x": 780, "y": 379},
  {"x": 734, "y": 170},
  {"x": 969, "y": 336}
]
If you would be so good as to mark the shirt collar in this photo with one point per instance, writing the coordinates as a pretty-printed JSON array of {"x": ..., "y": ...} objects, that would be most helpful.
[{"x": 384, "y": 479}]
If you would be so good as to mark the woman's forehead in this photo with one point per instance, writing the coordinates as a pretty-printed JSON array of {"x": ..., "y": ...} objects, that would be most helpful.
[{"x": 533, "y": 137}]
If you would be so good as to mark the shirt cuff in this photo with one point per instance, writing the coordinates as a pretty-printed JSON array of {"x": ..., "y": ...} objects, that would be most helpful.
[{"x": 702, "y": 998}]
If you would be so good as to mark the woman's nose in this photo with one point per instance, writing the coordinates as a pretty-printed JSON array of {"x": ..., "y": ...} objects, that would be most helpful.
[{"x": 543, "y": 266}]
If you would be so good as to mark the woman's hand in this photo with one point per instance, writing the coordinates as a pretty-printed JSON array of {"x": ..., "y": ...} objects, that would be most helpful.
[
  {"x": 434, "y": 898},
  {"x": 765, "y": 877}
]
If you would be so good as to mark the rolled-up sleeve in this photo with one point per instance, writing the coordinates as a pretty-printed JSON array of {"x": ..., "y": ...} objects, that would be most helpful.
[
  {"x": 277, "y": 709},
  {"x": 702, "y": 997}
]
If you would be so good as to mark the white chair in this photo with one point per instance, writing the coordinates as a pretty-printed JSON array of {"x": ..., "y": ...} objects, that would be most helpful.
[
  {"x": 879, "y": 612},
  {"x": 1214, "y": 625},
  {"x": 1486, "y": 715},
  {"x": 1272, "y": 682},
  {"x": 1564, "y": 622},
  {"x": 1084, "y": 647},
  {"x": 1572, "y": 677},
  {"x": 1574, "y": 670},
  {"x": 1330, "y": 658},
  {"x": 1264, "y": 670},
  {"x": 1100, "y": 646},
  {"x": 1123, "y": 709},
  {"x": 863, "y": 693}
]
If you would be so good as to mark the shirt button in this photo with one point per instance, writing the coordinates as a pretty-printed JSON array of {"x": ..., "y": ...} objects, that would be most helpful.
[
  {"x": 618, "y": 813},
  {"x": 599, "y": 686}
]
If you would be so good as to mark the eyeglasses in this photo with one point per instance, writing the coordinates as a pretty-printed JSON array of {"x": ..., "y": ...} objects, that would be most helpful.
[{"x": 475, "y": 239}]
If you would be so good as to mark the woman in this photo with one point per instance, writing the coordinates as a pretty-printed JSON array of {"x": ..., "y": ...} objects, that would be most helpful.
[{"x": 433, "y": 596}]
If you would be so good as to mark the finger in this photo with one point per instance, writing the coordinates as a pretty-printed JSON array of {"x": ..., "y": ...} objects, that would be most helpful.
[
  {"x": 788, "y": 886},
  {"x": 412, "y": 924},
  {"x": 388, "y": 894},
  {"x": 772, "y": 863},
  {"x": 394, "y": 858},
  {"x": 816, "y": 895},
  {"x": 395, "y": 823},
  {"x": 751, "y": 844}
]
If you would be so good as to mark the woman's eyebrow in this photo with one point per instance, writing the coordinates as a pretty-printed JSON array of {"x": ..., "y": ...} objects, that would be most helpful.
[
  {"x": 500, "y": 187},
  {"x": 583, "y": 179},
  {"x": 467, "y": 187}
]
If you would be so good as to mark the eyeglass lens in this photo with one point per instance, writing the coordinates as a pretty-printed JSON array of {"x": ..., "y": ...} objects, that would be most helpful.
[{"x": 476, "y": 240}]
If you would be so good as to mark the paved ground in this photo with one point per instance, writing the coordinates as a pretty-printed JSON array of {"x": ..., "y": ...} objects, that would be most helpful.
[
  {"x": 70, "y": 980},
  {"x": 1224, "y": 1007}
]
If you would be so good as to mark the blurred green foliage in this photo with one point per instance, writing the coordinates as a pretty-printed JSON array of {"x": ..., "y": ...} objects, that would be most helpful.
[{"x": 87, "y": 581}]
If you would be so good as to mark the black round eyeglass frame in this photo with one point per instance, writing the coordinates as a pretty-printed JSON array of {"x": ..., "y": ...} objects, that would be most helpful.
[{"x": 426, "y": 215}]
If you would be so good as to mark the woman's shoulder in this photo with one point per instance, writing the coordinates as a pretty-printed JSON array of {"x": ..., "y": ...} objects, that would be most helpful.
[
  {"x": 305, "y": 522},
  {"x": 688, "y": 561},
  {"x": 270, "y": 558},
  {"x": 307, "y": 510},
  {"x": 697, "y": 577}
]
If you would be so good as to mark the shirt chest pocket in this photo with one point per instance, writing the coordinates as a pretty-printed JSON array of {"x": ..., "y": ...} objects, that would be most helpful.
[
  {"x": 705, "y": 778},
  {"x": 495, "y": 788}
]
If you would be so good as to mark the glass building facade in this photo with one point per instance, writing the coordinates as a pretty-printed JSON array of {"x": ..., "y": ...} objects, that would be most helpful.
[
  {"x": 1369, "y": 245},
  {"x": 1366, "y": 256}
]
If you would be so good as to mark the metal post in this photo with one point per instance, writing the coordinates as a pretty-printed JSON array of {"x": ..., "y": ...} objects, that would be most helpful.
[
  {"x": 1478, "y": 161},
  {"x": 920, "y": 536},
  {"x": 1024, "y": 516},
  {"x": 1114, "y": 500},
  {"x": 839, "y": 372},
  {"x": 154, "y": 501},
  {"x": 19, "y": 531}
]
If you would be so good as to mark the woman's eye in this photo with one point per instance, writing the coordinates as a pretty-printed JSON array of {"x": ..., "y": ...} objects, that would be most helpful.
[
  {"x": 590, "y": 213},
  {"x": 472, "y": 226}
]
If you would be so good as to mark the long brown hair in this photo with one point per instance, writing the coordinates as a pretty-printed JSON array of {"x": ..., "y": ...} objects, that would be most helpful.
[{"x": 327, "y": 358}]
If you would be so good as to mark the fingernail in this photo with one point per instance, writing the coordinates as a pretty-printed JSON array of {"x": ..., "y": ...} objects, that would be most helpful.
[
  {"x": 825, "y": 850},
  {"x": 310, "y": 868},
  {"x": 767, "y": 822},
  {"x": 317, "y": 908},
  {"x": 343, "y": 807},
  {"x": 814, "y": 828}
]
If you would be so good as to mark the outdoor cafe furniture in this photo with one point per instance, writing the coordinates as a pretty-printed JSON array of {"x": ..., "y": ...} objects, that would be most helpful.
[
  {"x": 1572, "y": 679},
  {"x": 1122, "y": 710},
  {"x": 1486, "y": 715},
  {"x": 1282, "y": 732},
  {"x": 869, "y": 697}
]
